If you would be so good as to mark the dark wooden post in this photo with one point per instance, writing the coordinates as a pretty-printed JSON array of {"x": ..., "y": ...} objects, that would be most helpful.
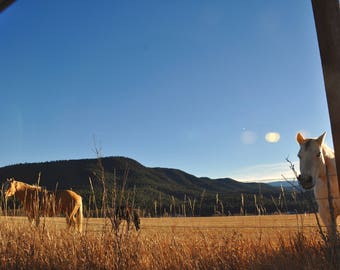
[
  {"x": 5, "y": 4},
  {"x": 327, "y": 23}
]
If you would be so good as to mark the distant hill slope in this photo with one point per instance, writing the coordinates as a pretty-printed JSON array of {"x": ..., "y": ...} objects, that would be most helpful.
[
  {"x": 75, "y": 174},
  {"x": 151, "y": 184},
  {"x": 286, "y": 184}
]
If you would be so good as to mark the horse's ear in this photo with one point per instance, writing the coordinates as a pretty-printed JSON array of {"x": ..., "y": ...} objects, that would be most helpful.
[
  {"x": 300, "y": 139},
  {"x": 321, "y": 139}
]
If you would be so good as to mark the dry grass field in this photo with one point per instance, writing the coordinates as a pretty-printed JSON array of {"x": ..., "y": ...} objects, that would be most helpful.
[{"x": 250, "y": 242}]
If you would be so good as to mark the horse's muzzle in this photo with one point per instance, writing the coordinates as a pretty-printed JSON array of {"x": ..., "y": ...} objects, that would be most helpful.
[{"x": 306, "y": 181}]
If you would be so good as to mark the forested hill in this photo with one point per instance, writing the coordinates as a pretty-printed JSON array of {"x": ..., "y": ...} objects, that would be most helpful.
[
  {"x": 75, "y": 174},
  {"x": 150, "y": 184}
]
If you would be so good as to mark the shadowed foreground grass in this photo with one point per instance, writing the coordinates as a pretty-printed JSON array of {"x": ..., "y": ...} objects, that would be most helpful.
[{"x": 209, "y": 243}]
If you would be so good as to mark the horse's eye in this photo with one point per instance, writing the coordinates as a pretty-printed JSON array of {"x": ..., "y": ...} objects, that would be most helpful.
[{"x": 318, "y": 154}]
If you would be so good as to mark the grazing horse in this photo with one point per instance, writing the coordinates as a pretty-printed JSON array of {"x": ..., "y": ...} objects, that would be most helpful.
[
  {"x": 41, "y": 202},
  {"x": 317, "y": 165},
  {"x": 129, "y": 214}
]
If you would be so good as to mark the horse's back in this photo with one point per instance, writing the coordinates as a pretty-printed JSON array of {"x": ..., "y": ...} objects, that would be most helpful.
[
  {"x": 66, "y": 200},
  {"x": 68, "y": 195}
]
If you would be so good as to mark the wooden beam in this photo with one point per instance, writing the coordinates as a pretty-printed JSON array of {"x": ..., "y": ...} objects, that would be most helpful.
[
  {"x": 5, "y": 4},
  {"x": 327, "y": 23}
]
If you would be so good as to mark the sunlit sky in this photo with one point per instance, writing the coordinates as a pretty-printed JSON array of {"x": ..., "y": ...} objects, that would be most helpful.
[{"x": 193, "y": 85}]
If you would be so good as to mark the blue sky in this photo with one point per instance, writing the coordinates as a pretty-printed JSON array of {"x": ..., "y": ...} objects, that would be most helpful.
[{"x": 193, "y": 85}]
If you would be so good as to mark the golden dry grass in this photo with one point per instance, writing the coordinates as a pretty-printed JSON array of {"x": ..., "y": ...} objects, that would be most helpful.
[{"x": 252, "y": 242}]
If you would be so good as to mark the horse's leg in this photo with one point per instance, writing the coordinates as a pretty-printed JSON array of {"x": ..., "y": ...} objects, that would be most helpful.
[
  {"x": 325, "y": 215},
  {"x": 68, "y": 221},
  {"x": 33, "y": 218},
  {"x": 72, "y": 219},
  {"x": 79, "y": 218},
  {"x": 126, "y": 214},
  {"x": 128, "y": 220},
  {"x": 37, "y": 220},
  {"x": 117, "y": 221},
  {"x": 30, "y": 218},
  {"x": 136, "y": 220}
]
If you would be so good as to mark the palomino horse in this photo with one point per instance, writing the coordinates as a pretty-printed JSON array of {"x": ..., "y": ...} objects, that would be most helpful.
[
  {"x": 40, "y": 202},
  {"x": 126, "y": 213},
  {"x": 317, "y": 165}
]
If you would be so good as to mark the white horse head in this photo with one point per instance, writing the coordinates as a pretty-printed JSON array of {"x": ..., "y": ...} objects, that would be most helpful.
[
  {"x": 318, "y": 171},
  {"x": 312, "y": 161}
]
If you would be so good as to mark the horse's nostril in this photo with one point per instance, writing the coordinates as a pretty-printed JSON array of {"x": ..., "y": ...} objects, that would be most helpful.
[{"x": 306, "y": 181}]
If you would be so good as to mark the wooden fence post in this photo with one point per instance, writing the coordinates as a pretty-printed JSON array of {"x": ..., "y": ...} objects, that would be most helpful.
[
  {"x": 5, "y": 4},
  {"x": 327, "y": 23}
]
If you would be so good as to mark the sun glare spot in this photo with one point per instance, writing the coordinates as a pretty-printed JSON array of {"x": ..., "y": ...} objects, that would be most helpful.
[{"x": 272, "y": 137}]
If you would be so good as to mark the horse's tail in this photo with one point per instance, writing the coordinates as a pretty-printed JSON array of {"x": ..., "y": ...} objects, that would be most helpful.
[{"x": 79, "y": 216}]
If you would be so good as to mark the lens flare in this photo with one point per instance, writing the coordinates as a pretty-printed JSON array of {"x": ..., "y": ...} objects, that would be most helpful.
[
  {"x": 272, "y": 137},
  {"x": 248, "y": 137}
]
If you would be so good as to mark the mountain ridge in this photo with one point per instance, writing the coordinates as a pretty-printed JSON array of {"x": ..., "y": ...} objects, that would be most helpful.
[{"x": 152, "y": 184}]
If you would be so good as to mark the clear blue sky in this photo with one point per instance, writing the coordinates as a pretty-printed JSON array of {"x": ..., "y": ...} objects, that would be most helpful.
[{"x": 193, "y": 85}]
